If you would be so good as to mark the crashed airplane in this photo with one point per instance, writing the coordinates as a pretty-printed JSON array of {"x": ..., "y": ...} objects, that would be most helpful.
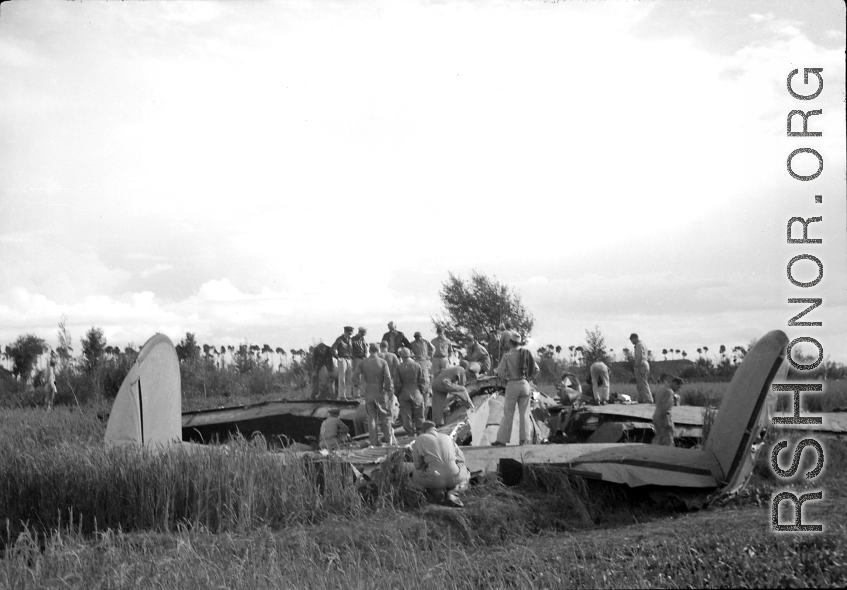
[{"x": 146, "y": 411}]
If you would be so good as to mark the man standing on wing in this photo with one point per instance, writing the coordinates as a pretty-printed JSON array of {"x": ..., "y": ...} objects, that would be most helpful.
[
  {"x": 516, "y": 368},
  {"x": 360, "y": 353},
  {"x": 342, "y": 350},
  {"x": 394, "y": 338},
  {"x": 600, "y": 382},
  {"x": 642, "y": 370},
  {"x": 442, "y": 348},
  {"x": 379, "y": 395},
  {"x": 422, "y": 353},
  {"x": 409, "y": 383}
]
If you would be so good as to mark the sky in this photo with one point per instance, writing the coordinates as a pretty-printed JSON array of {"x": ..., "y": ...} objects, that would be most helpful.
[{"x": 272, "y": 172}]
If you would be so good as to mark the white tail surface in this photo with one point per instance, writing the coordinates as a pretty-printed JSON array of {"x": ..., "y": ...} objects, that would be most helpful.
[
  {"x": 742, "y": 413},
  {"x": 148, "y": 408}
]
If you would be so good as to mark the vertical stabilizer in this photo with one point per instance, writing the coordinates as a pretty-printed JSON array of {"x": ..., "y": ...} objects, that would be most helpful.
[
  {"x": 740, "y": 418},
  {"x": 148, "y": 408}
]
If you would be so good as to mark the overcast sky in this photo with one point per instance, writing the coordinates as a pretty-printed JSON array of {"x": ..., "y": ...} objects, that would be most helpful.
[{"x": 273, "y": 172}]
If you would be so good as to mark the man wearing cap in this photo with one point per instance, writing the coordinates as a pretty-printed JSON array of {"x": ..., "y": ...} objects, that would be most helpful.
[
  {"x": 360, "y": 353},
  {"x": 394, "y": 338},
  {"x": 442, "y": 348},
  {"x": 642, "y": 370},
  {"x": 422, "y": 353},
  {"x": 479, "y": 360},
  {"x": 449, "y": 381},
  {"x": 439, "y": 464},
  {"x": 342, "y": 350},
  {"x": 334, "y": 432},
  {"x": 516, "y": 368},
  {"x": 409, "y": 383},
  {"x": 379, "y": 394}
]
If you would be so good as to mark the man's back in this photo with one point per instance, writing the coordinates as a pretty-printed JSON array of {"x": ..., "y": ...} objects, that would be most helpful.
[
  {"x": 373, "y": 369},
  {"x": 453, "y": 374},
  {"x": 436, "y": 452}
]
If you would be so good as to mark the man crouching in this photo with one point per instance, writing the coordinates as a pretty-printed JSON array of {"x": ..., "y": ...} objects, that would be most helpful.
[{"x": 439, "y": 466}]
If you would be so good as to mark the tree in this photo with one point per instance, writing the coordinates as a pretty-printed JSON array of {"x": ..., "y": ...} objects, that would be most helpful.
[
  {"x": 93, "y": 348},
  {"x": 24, "y": 351},
  {"x": 595, "y": 348},
  {"x": 478, "y": 306},
  {"x": 665, "y": 353},
  {"x": 188, "y": 350}
]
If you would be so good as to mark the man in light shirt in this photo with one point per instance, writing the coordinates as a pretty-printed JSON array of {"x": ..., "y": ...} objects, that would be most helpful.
[
  {"x": 442, "y": 348},
  {"x": 422, "y": 353},
  {"x": 342, "y": 350},
  {"x": 600, "y": 382},
  {"x": 516, "y": 368},
  {"x": 439, "y": 465},
  {"x": 642, "y": 370}
]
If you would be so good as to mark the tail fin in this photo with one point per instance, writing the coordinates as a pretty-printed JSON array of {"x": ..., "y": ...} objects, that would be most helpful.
[
  {"x": 148, "y": 407},
  {"x": 739, "y": 419}
]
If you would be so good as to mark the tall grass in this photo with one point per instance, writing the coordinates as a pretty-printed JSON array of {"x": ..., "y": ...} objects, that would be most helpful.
[{"x": 223, "y": 488}]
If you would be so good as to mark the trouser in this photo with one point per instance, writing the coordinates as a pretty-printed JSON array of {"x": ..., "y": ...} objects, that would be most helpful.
[
  {"x": 330, "y": 443},
  {"x": 411, "y": 411},
  {"x": 642, "y": 372},
  {"x": 345, "y": 378},
  {"x": 378, "y": 408},
  {"x": 517, "y": 393},
  {"x": 663, "y": 427},
  {"x": 439, "y": 363},
  {"x": 358, "y": 390},
  {"x": 439, "y": 399},
  {"x": 434, "y": 479},
  {"x": 601, "y": 393}
]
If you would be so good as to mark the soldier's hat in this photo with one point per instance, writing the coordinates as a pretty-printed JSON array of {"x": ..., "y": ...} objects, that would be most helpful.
[{"x": 335, "y": 412}]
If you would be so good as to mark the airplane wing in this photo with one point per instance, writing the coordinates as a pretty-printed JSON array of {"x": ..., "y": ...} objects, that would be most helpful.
[{"x": 631, "y": 464}]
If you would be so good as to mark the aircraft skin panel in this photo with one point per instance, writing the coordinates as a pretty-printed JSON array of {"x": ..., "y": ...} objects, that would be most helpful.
[
  {"x": 682, "y": 415},
  {"x": 315, "y": 409}
]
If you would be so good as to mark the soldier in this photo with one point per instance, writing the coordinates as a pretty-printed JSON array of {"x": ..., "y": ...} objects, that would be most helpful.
[
  {"x": 394, "y": 338},
  {"x": 360, "y": 353},
  {"x": 322, "y": 358},
  {"x": 662, "y": 419},
  {"x": 479, "y": 361},
  {"x": 439, "y": 465},
  {"x": 334, "y": 432},
  {"x": 379, "y": 394},
  {"x": 342, "y": 350},
  {"x": 388, "y": 357},
  {"x": 642, "y": 370},
  {"x": 600, "y": 382},
  {"x": 442, "y": 348},
  {"x": 516, "y": 368},
  {"x": 450, "y": 380},
  {"x": 422, "y": 353},
  {"x": 409, "y": 383},
  {"x": 50, "y": 383}
]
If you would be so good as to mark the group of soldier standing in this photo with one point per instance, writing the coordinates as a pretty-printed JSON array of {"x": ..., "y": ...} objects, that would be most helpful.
[{"x": 419, "y": 374}]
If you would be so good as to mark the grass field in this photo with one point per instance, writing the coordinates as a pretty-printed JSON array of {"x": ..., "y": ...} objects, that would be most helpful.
[{"x": 75, "y": 515}]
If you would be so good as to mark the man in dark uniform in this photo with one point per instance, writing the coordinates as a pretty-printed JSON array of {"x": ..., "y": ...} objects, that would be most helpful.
[{"x": 395, "y": 338}]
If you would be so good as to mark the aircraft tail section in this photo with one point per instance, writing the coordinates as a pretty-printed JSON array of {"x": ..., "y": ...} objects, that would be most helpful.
[
  {"x": 148, "y": 407},
  {"x": 741, "y": 416}
]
